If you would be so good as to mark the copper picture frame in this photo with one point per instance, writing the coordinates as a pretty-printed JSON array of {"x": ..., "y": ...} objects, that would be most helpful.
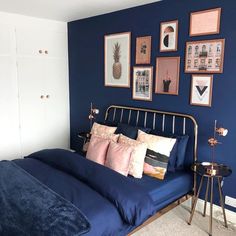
[
  {"x": 142, "y": 83},
  {"x": 201, "y": 90},
  {"x": 143, "y": 50},
  {"x": 205, "y": 56},
  {"x": 205, "y": 22},
  {"x": 169, "y": 36},
  {"x": 117, "y": 60},
  {"x": 167, "y": 75}
]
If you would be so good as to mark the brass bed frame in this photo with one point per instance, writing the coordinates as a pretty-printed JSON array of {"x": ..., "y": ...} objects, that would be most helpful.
[{"x": 141, "y": 115}]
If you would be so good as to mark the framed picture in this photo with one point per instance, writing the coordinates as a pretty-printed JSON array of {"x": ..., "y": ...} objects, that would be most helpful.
[
  {"x": 201, "y": 90},
  {"x": 142, "y": 83},
  {"x": 143, "y": 50},
  {"x": 117, "y": 60},
  {"x": 204, "y": 56},
  {"x": 169, "y": 36},
  {"x": 167, "y": 75},
  {"x": 205, "y": 22}
]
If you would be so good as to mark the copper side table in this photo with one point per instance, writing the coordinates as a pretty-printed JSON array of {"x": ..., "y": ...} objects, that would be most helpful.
[{"x": 219, "y": 171}]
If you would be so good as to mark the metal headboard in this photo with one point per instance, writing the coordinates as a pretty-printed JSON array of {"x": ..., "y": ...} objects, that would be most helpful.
[{"x": 137, "y": 111}]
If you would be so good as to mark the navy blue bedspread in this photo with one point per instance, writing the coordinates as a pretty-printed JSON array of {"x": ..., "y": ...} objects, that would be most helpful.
[
  {"x": 113, "y": 204},
  {"x": 28, "y": 207}
]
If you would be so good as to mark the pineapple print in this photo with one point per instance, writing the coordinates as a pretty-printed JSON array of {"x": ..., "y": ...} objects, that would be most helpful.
[{"x": 117, "y": 69}]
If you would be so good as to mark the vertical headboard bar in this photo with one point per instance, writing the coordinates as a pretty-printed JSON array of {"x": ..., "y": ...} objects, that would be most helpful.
[
  {"x": 173, "y": 125},
  {"x": 137, "y": 118},
  {"x": 184, "y": 126},
  {"x": 121, "y": 115},
  {"x": 114, "y": 114},
  {"x": 154, "y": 121},
  {"x": 129, "y": 116},
  {"x": 145, "y": 120},
  {"x": 163, "y": 122}
]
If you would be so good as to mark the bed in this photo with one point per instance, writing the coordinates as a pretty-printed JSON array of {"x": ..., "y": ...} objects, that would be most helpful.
[{"x": 103, "y": 201}]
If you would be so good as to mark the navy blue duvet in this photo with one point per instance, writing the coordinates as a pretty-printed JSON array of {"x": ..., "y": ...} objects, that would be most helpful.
[{"x": 112, "y": 203}]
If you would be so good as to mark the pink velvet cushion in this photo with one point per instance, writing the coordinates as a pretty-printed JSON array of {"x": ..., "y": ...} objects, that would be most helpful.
[
  {"x": 118, "y": 157},
  {"x": 97, "y": 149}
]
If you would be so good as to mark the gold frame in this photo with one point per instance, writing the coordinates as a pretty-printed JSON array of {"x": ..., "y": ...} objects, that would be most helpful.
[
  {"x": 176, "y": 35},
  {"x": 203, "y": 12},
  {"x": 151, "y": 82},
  {"x": 211, "y": 88},
  {"x": 138, "y": 60},
  {"x": 177, "y": 79},
  {"x": 129, "y": 59},
  {"x": 205, "y": 41}
]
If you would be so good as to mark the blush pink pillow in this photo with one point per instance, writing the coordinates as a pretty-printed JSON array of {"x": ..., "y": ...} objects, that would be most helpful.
[
  {"x": 97, "y": 149},
  {"x": 118, "y": 157}
]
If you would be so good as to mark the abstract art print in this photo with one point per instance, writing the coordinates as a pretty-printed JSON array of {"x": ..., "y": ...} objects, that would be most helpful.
[
  {"x": 142, "y": 83},
  {"x": 205, "y": 56},
  {"x": 201, "y": 90},
  {"x": 117, "y": 60},
  {"x": 167, "y": 75},
  {"x": 143, "y": 50},
  {"x": 205, "y": 22},
  {"x": 169, "y": 36}
]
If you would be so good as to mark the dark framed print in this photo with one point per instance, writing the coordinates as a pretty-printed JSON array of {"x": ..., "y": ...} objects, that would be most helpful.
[
  {"x": 205, "y": 22},
  {"x": 167, "y": 75},
  {"x": 117, "y": 60},
  {"x": 169, "y": 36},
  {"x": 143, "y": 50},
  {"x": 142, "y": 83},
  {"x": 206, "y": 56},
  {"x": 201, "y": 90}
]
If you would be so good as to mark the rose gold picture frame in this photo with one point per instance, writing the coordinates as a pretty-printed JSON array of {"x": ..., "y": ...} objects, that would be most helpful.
[
  {"x": 117, "y": 50},
  {"x": 167, "y": 75},
  {"x": 143, "y": 50},
  {"x": 205, "y": 22},
  {"x": 142, "y": 83},
  {"x": 169, "y": 36},
  {"x": 201, "y": 90},
  {"x": 205, "y": 56}
]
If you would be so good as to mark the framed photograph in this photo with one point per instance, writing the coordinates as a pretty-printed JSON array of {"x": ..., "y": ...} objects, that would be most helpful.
[
  {"x": 169, "y": 36},
  {"x": 142, "y": 83},
  {"x": 205, "y": 22},
  {"x": 167, "y": 75},
  {"x": 117, "y": 60},
  {"x": 201, "y": 90},
  {"x": 204, "y": 56},
  {"x": 143, "y": 50}
]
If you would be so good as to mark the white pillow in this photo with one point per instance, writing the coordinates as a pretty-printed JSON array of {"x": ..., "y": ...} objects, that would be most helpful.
[{"x": 137, "y": 156}]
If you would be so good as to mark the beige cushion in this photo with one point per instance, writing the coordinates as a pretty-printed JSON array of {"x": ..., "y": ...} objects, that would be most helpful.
[
  {"x": 137, "y": 156},
  {"x": 102, "y": 129}
]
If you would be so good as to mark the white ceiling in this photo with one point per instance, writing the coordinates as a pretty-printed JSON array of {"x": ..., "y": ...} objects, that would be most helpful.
[{"x": 67, "y": 10}]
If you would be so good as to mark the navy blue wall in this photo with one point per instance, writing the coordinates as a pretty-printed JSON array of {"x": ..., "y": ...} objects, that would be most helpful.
[{"x": 86, "y": 60}]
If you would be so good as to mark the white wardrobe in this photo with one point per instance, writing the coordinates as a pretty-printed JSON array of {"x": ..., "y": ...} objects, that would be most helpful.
[{"x": 34, "y": 86}]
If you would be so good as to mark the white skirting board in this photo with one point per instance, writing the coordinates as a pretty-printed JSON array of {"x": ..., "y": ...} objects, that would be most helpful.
[{"x": 217, "y": 211}]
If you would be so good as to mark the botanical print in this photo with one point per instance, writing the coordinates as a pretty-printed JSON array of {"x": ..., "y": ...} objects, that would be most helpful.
[
  {"x": 169, "y": 36},
  {"x": 143, "y": 50},
  {"x": 142, "y": 83},
  {"x": 205, "y": 22},
  {"x": 167, "y": 75},
  {"x": 205, "y": 56},
  {"x": 201, "y": 90},
  {"x": 117, "y": 60}
]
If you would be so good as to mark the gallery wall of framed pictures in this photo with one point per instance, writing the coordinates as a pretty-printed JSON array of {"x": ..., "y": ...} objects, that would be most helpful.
[{"x": 203, "y": 58}]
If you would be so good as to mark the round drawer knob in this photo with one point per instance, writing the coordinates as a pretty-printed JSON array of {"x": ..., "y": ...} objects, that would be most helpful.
[
  {"x": 46, "y": 52},
  {"x": 48, "y": 96},
  {"x": 42, "y": 97},
  {"x": 40, "y": 51}
]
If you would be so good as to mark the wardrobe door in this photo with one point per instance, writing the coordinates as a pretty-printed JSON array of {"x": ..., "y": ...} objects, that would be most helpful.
[
  {"x": 57, "y": 103},
  {"x": 31, "y": 76},
  {"x": 9, "y": 113}
]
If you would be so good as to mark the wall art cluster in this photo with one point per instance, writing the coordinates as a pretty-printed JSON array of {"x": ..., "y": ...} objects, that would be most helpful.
[{"x": 201, "y": 57}]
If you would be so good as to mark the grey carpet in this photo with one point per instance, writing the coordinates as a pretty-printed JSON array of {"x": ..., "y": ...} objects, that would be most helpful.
[{"x": 174, "y": 222}]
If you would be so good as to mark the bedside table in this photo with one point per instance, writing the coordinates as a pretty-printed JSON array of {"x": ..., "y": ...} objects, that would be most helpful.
[
  {"x": 217, "y": 171},
  {"x": 83, "y": 139}
]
